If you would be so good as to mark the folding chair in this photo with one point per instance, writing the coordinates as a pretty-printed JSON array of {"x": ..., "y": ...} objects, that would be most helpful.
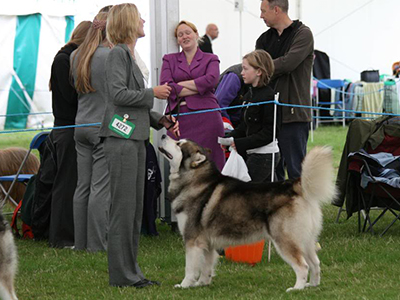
[
  {"x": 22, "y": 178},
  {"x": 330, "y": 84},
  {"x": 376, "y": 194}
]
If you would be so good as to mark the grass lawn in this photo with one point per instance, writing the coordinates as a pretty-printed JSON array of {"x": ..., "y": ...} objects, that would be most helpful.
[{"x": 354, "y": 266}]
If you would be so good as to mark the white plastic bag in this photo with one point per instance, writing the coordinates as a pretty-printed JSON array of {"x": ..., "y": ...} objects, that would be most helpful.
[{"x": 236, "y": 167}]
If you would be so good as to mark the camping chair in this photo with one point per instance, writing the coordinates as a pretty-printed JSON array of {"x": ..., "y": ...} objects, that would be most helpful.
[
  {"x": 369, "y": 190},
  {"x": 338, "y": 85},
  {"x": 22, "y": 178}
]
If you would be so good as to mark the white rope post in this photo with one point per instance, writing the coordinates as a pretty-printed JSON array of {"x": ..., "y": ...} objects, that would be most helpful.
[
  {"x": 273, "y": 159},
  {"x": 312, "y": 127},
  {"x": 274, "y": 135}
]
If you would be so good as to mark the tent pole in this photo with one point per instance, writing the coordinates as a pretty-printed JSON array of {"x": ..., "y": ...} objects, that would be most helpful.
[
  {"x": 164, "y": 17},
  {"x": 299, "y": 9}
]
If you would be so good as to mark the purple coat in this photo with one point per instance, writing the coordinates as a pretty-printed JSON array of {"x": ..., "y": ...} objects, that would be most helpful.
[
  {"x": 202, "y": 128},
  {"x": 204, "y": 70}
]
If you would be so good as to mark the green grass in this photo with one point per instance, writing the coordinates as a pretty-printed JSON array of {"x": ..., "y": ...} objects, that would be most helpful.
[{"x": 354, "y": 266}]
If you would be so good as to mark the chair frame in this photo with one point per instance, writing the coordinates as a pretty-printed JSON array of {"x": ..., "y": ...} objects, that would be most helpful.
[
  {"x": 368, "y": 205},
  {"x": 37, "y": 140},
  {"x": 366, "y": 197}
]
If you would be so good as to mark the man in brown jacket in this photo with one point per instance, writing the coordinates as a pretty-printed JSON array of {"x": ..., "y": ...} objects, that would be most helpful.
[{"x": 291, "y": 46}]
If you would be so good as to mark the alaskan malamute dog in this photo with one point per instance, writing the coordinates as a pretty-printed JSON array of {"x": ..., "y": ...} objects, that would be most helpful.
[
  {"x": 215, "y": 211},
  {"x": 8, "y": 261}
]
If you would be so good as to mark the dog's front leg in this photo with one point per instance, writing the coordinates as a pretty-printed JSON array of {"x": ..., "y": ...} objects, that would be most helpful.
[
  {"x": 5, "y": 294},
  {"x": 194, "y": 257},
  {"x": 207, "y": 270}
]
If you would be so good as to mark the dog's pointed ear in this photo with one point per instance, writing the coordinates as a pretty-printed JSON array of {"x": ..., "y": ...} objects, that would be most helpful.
[{"x": 198, "y": 159}]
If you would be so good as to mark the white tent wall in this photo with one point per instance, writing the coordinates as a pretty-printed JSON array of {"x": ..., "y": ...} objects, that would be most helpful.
[
  {"x": 52, "y": 38},
  {"x": 7, "y": 25},
  {"x": 356, "y": 34}
]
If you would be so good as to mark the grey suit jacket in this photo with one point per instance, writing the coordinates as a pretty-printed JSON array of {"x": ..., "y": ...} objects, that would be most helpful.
[{"x": 127, "y": 95}]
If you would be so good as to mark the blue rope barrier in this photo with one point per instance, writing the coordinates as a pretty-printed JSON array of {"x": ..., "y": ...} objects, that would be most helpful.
[
  {"x": 348, "y": 93},
  {"x": 236, "y": 106},
  {"x": 220, "y": 109},
  {"x": 340, "y": 110}
]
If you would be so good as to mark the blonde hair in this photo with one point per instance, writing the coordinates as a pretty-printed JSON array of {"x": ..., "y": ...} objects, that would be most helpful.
[
  {"x": 123, "y": 24},
  {"x": 261, "y": 60},
  {"x": 79, "y": 33},
  {"x": 187, "y": 23},
  {"x": 84, "y": 54}
]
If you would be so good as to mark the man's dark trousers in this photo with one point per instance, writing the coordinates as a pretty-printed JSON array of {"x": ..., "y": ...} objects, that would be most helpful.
[{"x": 292, "y": 142}]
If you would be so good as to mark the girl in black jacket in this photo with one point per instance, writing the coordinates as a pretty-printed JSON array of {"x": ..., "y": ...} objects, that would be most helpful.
[{"x": 253, "y": 138}]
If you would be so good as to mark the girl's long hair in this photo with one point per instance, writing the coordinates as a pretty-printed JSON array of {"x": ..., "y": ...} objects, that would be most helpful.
[
  {"x": 83, "y": 57},
  {"x": 260, "y": 60}
]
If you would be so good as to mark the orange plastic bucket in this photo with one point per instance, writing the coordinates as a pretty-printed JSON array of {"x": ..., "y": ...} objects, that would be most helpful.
[{"x": 251, "y": 253}]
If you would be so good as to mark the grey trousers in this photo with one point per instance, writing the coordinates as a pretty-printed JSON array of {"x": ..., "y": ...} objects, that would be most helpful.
[
  {"x": 126, "y": 161},
  {"x": 92, "y": 195}
]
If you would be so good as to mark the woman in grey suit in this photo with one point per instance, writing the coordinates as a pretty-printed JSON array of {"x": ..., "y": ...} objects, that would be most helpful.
[
  {"x": 125, "y": 129},
  {"x": 92, "y": 195}
]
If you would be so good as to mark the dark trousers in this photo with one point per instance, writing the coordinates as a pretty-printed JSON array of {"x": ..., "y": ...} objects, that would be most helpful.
[
  {"x": 292, "y": 141},
  {"x": 260, "y": 166},
  {"x": 61, "y": 231}
]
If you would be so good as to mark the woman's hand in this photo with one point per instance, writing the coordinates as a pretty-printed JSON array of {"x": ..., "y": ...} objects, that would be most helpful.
[
  {"x": 171, "y": 124},
  {"x": 162, "y": 91}
]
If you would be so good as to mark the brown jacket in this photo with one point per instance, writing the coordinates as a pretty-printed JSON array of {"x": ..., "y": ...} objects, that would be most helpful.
[{"x": 293, "y": 71}]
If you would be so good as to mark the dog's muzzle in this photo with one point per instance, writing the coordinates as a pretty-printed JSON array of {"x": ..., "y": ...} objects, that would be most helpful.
[
  {"x": 165, "y": 152},
  {"x": 162, "y": 150}
]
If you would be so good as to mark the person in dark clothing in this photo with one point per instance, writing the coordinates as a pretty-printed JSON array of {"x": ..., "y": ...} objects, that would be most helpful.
[
  {"x": 291, "y": 46},
  {"x": 254, "y": 138},
  {"x": 205, "y": 43},
  {"x": 64, "y": 102},
  {"x": 230, "y": 91}
]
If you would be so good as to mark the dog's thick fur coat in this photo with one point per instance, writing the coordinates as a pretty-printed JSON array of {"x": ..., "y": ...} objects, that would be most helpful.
[
  {"x": 8, "y": 261},
  {"x": 215, "y": 211}
]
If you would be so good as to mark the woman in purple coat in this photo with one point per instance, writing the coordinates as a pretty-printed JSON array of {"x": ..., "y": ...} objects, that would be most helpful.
[{"x": 193, "y": 76}]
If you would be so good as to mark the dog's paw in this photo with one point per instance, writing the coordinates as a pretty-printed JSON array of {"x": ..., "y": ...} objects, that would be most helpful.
[
  {"x": 311, "y": 284},
  {"x": 293, "y": 289},
  {"x": 184, "y": 285},
  {"x": 202, "y": 283},
  {"x": 198, "y": 283}
]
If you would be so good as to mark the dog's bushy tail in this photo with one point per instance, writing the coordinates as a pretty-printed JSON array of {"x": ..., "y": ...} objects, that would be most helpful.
[{"x": 317, "y": 177}]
